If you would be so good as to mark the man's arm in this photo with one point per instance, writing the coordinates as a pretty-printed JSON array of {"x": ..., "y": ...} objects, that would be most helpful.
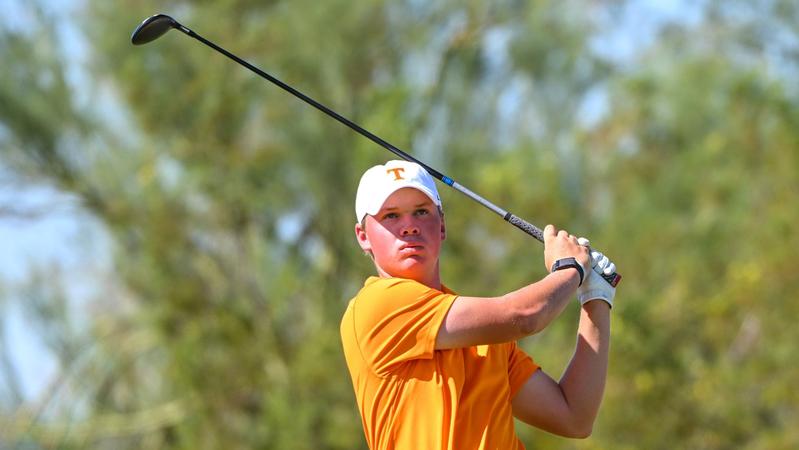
[
  {"x": 477, "y": 321},
  {"x": 569, "y": 407}
]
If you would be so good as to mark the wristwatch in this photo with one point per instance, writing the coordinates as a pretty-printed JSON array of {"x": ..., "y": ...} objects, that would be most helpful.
[{"x": 565, "y": 263}]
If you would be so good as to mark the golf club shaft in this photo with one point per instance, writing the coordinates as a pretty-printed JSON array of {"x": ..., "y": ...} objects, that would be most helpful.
[{"x": 520, "y": 223}]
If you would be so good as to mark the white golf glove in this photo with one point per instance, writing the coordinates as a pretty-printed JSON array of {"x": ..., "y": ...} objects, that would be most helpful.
[{"x": 595, "y": 287}]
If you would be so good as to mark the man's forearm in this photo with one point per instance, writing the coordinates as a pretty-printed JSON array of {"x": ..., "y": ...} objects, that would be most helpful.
[
  {"x": 583, "y": 382},
  {"x": 540, "y": 303}
]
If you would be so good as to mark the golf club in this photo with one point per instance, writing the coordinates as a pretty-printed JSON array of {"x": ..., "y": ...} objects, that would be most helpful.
[{"x": 155, "y": 26}]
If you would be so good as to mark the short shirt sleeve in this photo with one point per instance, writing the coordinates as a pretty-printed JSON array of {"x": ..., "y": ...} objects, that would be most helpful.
[
  {"x": 397, "y": 320},
  {"x": 520, "y": 367}
]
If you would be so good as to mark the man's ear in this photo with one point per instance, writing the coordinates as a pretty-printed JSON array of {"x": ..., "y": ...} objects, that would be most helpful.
[
  {"x": 363, "y": 239},
  {"x": 443, "y": 228}
]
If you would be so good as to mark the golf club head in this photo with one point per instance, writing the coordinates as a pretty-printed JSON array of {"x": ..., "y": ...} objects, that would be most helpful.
[{"x": 152, "y": 28}]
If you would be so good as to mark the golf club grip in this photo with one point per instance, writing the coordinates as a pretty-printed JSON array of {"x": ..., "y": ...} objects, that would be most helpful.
[
  {"x": 525, "y": 226},
  {"x": 612, "y": 279}
]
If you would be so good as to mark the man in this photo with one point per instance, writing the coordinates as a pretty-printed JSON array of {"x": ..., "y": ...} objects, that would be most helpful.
[{"x": 435, "y": 370}]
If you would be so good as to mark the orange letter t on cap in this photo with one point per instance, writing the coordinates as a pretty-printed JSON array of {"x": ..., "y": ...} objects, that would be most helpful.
[{"x": 396, "y": 171}]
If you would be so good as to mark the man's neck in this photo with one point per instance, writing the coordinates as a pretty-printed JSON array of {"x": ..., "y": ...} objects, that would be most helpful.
[{"x": 433, "y": 280}]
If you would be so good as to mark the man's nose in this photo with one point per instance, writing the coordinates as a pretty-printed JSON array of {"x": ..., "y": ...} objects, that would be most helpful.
[{"x": 410, "y": 228}]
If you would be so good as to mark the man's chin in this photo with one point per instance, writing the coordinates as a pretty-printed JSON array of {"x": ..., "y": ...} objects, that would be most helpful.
[{"x": 411, "y": 267}]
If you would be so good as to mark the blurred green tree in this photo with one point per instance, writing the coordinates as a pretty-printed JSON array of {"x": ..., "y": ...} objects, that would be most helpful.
[{"x": 229, "y": 205}]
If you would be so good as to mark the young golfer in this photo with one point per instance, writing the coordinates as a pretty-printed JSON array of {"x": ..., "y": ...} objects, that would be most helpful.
[{"x": 433, "y": 369}]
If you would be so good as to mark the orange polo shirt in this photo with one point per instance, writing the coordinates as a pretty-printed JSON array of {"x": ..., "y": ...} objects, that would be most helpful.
[{"x": 414, "y": 397}]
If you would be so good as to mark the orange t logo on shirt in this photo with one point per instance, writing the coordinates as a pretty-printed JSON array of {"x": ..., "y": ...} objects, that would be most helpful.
[{"x": 396, "y": 171}]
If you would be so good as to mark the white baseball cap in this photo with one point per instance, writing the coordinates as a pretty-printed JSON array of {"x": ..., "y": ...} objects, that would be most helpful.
[{"x": 380, "y": 181}]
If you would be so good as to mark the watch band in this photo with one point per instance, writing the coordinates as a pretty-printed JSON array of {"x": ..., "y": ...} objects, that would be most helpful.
[{"x": 565, "y": 263}]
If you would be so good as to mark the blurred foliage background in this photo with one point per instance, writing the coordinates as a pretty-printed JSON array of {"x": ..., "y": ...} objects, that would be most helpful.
[{"x": 225, "y": 207}]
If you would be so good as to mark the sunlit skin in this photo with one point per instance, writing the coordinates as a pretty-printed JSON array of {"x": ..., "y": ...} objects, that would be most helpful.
[{"x": 405, "y": 237}]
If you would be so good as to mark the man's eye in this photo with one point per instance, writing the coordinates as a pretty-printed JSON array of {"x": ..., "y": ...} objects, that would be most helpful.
[
  {"x": 390, "y": 216},
  {"x": 422, "y": 212}
]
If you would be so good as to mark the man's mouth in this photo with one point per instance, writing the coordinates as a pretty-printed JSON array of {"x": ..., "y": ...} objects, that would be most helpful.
[{"x": 411, "y": 247}]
